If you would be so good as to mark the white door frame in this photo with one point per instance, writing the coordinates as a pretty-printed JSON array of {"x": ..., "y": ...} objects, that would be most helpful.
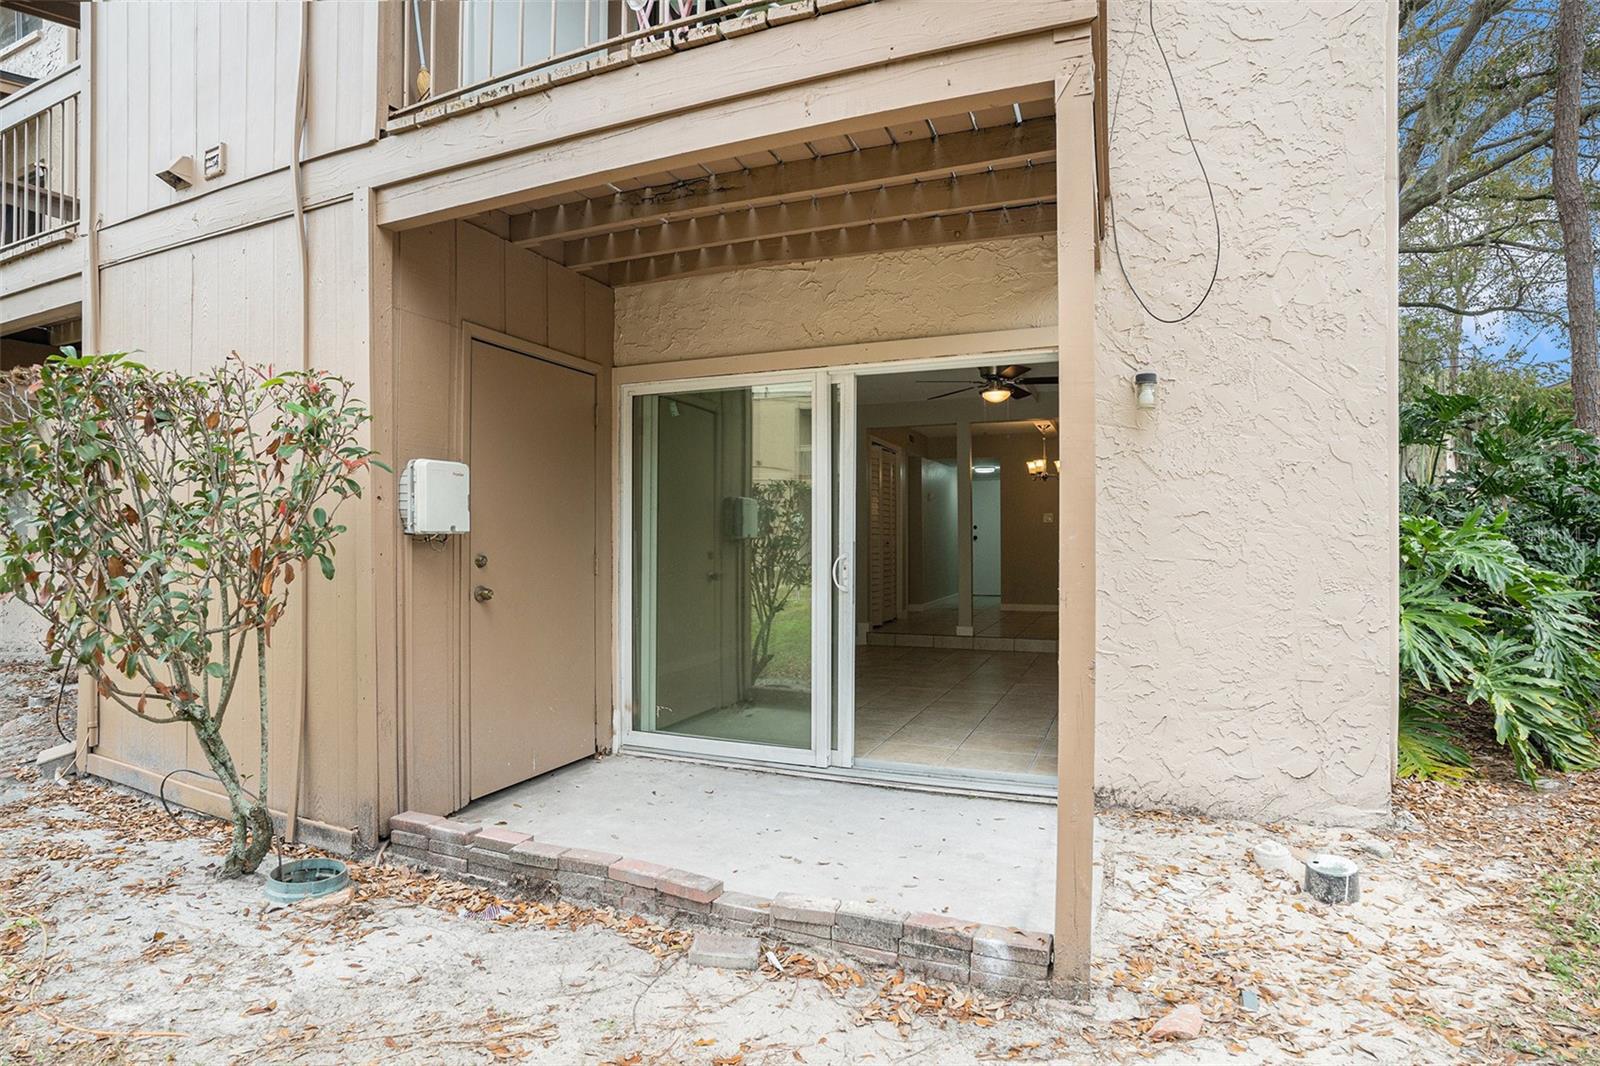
[
  {"x": 848, "y": 472},
  {"x": 644, "y": 738},
  {"x": 832, "y": 662}
]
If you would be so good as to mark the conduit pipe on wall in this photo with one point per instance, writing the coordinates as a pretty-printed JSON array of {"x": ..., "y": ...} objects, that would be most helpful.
[
  {"x": 88, "y": 223},
  {"x": 291, "y": 821}
]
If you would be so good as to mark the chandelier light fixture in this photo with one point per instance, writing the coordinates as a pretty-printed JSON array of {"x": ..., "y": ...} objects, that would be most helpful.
[{"x": 1044, "y": 468}]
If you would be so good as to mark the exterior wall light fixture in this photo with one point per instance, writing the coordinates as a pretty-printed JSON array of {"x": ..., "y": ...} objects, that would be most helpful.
[{"x": 1144, "y": 383}]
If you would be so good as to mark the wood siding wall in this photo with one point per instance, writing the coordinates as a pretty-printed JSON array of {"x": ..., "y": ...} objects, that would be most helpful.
[
  {"x": 174, "y": 78},
  {"x": 184, "y": 309},
  {"x": 449, "y": 276}
]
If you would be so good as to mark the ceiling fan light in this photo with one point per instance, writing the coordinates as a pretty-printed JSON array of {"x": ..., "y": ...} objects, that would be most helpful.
[{"x": 996, "y": 394}]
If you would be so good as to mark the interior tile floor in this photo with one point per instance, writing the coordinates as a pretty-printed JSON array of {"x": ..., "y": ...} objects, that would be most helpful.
[
  {"x": 992, "y": 628},
  {"x": 957, "y": 708}
]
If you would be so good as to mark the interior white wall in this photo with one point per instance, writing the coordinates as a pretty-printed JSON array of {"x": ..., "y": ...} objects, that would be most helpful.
[
  {"x": 985, "y": 533},
  {"x": 938, "y": 530}
]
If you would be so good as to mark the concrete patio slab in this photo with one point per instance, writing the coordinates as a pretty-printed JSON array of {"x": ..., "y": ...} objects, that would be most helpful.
[{"x": 986, "y": 859}]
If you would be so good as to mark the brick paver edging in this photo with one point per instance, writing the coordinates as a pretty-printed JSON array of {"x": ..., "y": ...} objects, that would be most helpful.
[{"x": 949, "y": 949}]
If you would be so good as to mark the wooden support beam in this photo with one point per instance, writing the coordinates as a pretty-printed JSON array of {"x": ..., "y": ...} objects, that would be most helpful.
[
  {"x": 835, "y": 244},
  {"x": 896, "y": 203},
  {"x": 1077, "y": 587},
  {"x": 957, "y": 153}
]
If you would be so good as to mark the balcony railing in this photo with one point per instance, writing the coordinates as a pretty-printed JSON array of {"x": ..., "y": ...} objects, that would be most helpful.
[
  {"x": 39, "y": 160},
  {"x": 454, "y": 47}
]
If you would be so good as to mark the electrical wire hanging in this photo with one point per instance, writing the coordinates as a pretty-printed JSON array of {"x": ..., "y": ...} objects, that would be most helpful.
[{"x": 1216, "y": 218}]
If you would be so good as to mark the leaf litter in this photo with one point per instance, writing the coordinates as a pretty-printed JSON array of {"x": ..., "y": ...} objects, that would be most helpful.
[{"x": 1443, "y": 958}]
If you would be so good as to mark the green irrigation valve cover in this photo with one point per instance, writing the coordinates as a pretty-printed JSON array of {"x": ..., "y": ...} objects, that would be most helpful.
[{"x": 306, "y": 879}]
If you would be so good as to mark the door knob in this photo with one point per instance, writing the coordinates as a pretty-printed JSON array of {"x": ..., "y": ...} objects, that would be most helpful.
[{"x": 483, "y": 593}]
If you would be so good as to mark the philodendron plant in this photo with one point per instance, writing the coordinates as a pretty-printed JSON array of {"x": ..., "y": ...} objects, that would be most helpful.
[{"x": 158, "y": 522}]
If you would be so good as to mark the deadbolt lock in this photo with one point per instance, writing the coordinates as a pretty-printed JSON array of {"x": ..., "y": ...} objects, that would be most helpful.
[
  {"x": 483, "y": 593},
  {"x": 480, "y": 560}
]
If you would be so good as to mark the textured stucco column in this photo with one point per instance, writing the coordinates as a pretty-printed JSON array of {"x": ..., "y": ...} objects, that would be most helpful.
[{"x": 1075, "y": 287}]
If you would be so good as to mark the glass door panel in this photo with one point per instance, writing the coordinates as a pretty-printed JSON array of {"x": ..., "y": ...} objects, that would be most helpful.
[{"x": 722, "y": 535}]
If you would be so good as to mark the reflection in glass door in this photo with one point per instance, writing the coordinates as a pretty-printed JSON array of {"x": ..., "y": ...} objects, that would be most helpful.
[{"x": 722, "y": 535}]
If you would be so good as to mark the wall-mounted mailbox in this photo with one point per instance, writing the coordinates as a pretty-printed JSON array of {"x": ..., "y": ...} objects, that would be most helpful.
[{"x": 434, "y": 498}]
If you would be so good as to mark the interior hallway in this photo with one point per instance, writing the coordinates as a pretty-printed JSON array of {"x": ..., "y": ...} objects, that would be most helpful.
[
  {"x": 989, "y": 624},
  {"x": 957, "y": 708}
]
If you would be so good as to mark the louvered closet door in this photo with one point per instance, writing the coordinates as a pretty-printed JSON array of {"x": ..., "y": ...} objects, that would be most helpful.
[{"x": 883, "y": 502}]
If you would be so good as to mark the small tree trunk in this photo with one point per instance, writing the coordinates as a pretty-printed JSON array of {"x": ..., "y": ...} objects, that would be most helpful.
[
  {"x": 252, "y": 824},
  {"x": 261, "y": 694},
  {"x": 1577, "y": 239}
]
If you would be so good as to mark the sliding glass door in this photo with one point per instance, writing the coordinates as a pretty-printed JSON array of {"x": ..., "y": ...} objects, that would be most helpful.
[{"x": 725, "y": 532}]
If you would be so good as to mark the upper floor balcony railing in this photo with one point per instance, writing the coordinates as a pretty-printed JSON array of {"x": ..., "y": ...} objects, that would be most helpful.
[
  {"x": 39, "y": 160},
  {"x": 455, "y": 47}
]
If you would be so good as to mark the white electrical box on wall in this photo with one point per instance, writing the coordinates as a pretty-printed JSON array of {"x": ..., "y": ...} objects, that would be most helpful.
[{"x": 434, "y": 497}]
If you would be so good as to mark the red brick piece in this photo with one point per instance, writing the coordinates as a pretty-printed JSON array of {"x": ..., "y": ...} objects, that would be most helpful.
[
  {"x": 1012, "y": 945},
  {"x": 457, "y": 834},
  {"x": 696, "y": 888},
  {"x": 938, "y": 929},
  {"x": 500, "y": 840},
  {"x": 1180, "y": 1023},
  {"x": 638, "y": 872},
  {"x": 413, "y": 822},
  {"x": 584, "y": 861}
]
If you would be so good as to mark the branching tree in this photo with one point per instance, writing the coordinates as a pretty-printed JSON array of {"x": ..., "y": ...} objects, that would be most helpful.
[
  {"x": 1482, "y": 252},
  {"x": 780, "y": 560},
  {"x": 1572, "y": 207},
  {"x": 158, "y": 521}
]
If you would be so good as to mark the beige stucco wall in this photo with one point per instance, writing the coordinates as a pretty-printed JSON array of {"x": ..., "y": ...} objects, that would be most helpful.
[
  {"x": 1245, "y": 546},
  {"x": 41, "y": 53},
  {"x": 971, "y": 288},
  {"x": 1246, "y": 538}
]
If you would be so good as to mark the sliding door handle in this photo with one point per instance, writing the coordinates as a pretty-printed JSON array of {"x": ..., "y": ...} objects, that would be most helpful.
[{"x": 841, "y": 573}]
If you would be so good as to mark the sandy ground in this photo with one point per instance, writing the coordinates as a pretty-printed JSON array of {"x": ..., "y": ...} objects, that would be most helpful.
[{"x": 117, "y": 943}]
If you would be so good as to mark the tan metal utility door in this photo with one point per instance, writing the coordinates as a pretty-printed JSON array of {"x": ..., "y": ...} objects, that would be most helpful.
[{"x": 531, "y": 568}]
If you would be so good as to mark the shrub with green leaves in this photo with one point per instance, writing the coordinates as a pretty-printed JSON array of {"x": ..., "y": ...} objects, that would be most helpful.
[
  {"x": 158, "y": 522},
  {"x": 1498, "y": 614}
]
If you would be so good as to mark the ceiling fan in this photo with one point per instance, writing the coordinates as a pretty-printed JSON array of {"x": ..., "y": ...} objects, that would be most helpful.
[{"x": 995, "y": 385}]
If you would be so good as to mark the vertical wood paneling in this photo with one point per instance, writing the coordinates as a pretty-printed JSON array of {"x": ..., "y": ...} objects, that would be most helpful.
[
  {"x": 566, "y": 305},
  {"x": 182, "y": 95},
  {"x": 175, "y": 78},
  {"x": 135, "y": 134},
  {"x": 259, "y": 63},
  {"x": 526, "y": 292},
  {"x": 158, "y": 56},
  {"x": 210, "y": 86},
  {"x": 186, "y": 308},
  {"x": 232, "y": 87}
]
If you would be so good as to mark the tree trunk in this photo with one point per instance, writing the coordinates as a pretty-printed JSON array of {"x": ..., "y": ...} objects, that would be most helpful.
[
  {"x": 1572, "y": 209},
  {"x": 252, "y": 824}
]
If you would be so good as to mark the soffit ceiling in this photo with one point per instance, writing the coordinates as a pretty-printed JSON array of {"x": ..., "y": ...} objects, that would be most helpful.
[{"x": 972, "y": 175}]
